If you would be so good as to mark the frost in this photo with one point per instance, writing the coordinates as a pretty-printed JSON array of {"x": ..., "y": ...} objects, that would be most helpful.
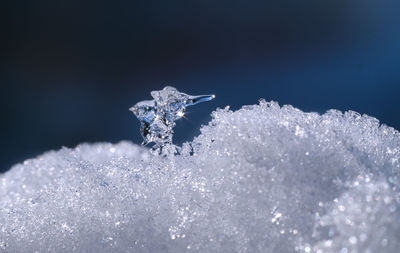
[{"x": 261, "y": 179}]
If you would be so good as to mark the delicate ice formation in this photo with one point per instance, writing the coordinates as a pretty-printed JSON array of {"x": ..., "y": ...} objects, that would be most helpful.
[
  {"x": 261, "y": 179},
  {"x": 157, "y": 117}
]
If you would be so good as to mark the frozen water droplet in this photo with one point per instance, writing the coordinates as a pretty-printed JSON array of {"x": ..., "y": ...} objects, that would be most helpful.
[{"x": 157, "y": 117}]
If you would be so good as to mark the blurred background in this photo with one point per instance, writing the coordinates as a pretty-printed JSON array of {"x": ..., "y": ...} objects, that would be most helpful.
[{"x": 69, "y": 69}]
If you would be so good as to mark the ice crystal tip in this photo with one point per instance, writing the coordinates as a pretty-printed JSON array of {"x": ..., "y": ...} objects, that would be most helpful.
[{"x": 157, "y": 116}]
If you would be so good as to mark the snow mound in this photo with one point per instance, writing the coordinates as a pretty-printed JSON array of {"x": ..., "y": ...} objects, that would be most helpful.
[{"x": 264, "y": 178}]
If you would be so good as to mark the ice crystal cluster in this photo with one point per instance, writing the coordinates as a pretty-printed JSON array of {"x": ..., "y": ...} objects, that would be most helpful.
[
  {"x": 264, "y": 178},
  {"x": 157, "y": 117}
]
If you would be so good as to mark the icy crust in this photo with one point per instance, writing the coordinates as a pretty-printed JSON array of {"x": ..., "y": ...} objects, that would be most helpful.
[{"x": 261, "y": 179}]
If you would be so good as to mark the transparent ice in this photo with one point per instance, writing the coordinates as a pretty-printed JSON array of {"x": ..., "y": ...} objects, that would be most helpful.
[
  {"x": 157, "y": 117},
  {"x": 264, "y": 178}
]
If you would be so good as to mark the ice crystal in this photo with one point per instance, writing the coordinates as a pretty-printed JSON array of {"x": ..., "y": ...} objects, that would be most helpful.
[{"x": 157, "y": 117}]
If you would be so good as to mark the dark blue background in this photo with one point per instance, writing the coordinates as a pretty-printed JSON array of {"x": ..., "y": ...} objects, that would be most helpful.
[{"x": 71, "y": 69}]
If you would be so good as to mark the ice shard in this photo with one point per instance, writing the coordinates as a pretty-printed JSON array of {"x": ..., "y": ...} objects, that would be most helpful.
[{"x": 157, "y": 117}]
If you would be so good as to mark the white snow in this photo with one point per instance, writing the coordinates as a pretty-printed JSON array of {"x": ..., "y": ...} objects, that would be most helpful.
[{"x": 261, "y": 179}]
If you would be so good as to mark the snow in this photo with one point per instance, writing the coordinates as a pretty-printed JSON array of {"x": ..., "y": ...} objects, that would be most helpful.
[{"x": 264, "y": 178}]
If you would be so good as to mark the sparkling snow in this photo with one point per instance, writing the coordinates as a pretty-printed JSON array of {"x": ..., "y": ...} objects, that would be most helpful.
[{"x": 261, "y": 179}]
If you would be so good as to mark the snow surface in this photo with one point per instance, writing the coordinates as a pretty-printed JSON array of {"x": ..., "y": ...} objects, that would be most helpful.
[{"x": 261, "y": 179}]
